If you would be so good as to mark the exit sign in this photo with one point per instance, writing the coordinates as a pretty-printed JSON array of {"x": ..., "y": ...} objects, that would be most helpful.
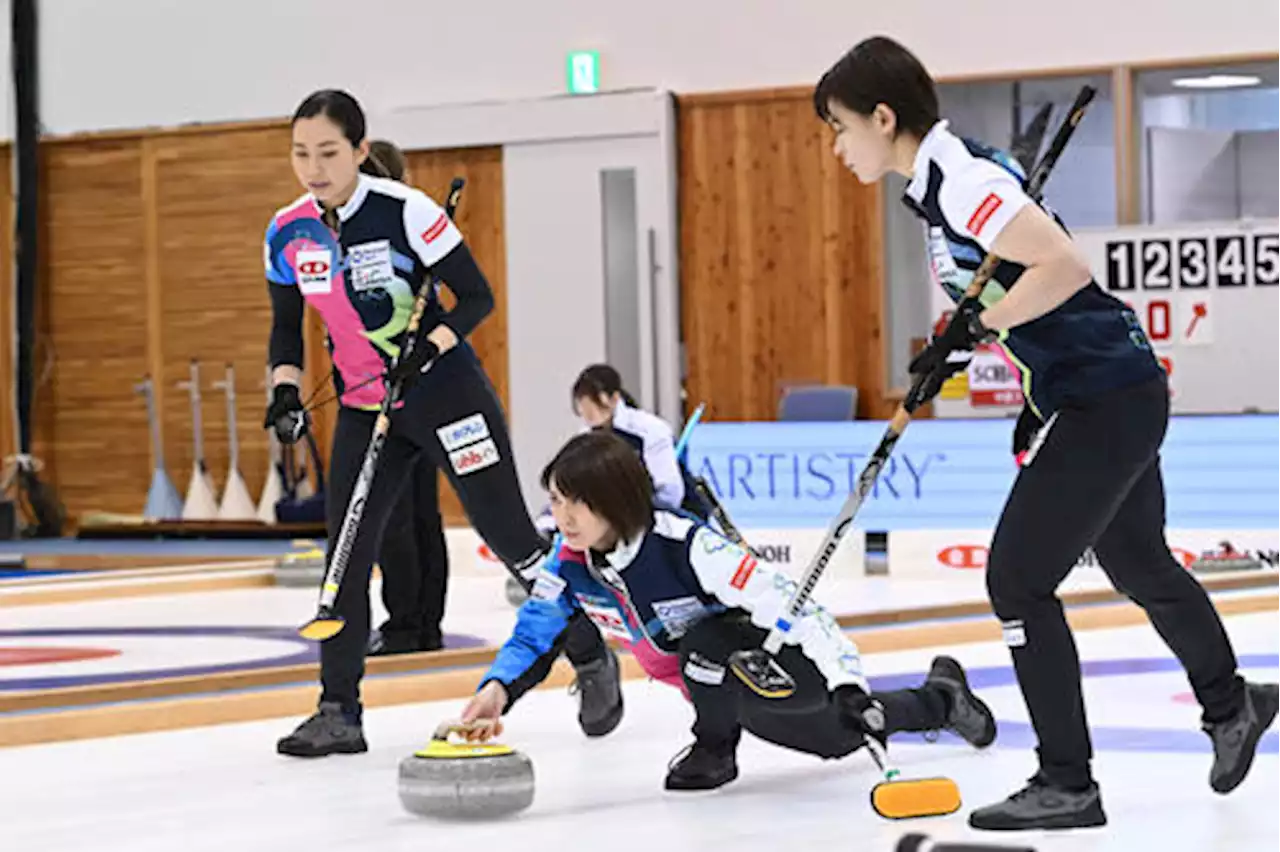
[{"x": 583, "y": 71}]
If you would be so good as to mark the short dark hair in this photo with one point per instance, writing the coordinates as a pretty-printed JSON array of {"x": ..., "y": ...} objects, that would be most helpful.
[
  {"x": 340, "y": 108},
  {"x": 878, "y": 70},
  {"x": 600, "y": 380},
  {"x": 605, "y": 472},
  {"x": 385, "y": 160}
]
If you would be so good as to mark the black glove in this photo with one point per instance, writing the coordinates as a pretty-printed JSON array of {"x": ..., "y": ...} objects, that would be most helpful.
[
  {"x": 950, "y": 352},
  {"x": 285, "y": 414},
  {"x": 1024, "y": 432},
  {"x": 860, "y": 712},
  {"x": 418, "y": 362}
]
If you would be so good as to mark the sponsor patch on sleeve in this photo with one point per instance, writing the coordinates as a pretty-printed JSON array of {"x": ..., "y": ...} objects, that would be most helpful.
[
  {"x": 437, "y": 228},
  {"x": 983, "y": 214},
  {"x": 746, "y": 568}
]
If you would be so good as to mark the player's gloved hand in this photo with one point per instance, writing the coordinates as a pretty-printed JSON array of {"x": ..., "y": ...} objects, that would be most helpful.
[
  {"x": 859, "y": 711},
  {"x": 415, "y": 364},
  {"x": 1024, "y": 432},
  {"x": 285, "y": 414},
  {"x": 949, "y": 352}
]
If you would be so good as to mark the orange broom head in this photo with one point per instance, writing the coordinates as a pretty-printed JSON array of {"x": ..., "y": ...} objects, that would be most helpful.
[
  {"x": 320, "y": 629},
  {"x": 917, "y": 797}
]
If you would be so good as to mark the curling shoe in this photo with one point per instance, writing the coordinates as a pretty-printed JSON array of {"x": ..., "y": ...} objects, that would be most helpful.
[
  {"x": 599, "y": 694},
  {"x": 329, "y": 731},
  {"x": 703, "y": 766},
  {"x": 1042, "y": 805},
  {"x": 967, "y": 714},
  {"x": 1236, "y": 740}
]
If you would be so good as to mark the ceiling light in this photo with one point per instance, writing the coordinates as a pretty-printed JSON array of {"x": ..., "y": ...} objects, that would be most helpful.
[{"x": 1217, "y": 81}]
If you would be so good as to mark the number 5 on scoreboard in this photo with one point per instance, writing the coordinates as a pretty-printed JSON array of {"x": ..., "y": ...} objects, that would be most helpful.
[{"x": 1266, "y": 259}]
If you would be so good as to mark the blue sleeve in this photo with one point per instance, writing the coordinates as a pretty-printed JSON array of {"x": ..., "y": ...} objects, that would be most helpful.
[
  {"x": 277, "y": 271},
  {"x": 538, "y": 624}
]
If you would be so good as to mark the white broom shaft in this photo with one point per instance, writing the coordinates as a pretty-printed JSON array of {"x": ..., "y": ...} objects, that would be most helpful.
[
  {"x": 192, "y": 387},
  {"x": 230, "y": 386}
]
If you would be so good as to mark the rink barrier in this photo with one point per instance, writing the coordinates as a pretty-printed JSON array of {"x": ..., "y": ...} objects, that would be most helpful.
[{"x": 139, "y": 707}]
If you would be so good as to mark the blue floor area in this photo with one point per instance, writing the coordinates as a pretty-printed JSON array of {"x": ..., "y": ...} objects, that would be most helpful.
[
  {"x": 25, "y": 573},
  {"x": 133, "y": 547}
]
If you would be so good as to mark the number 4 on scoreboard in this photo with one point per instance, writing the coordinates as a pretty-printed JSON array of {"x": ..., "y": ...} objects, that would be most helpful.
[{"x": 1230, "y": 262}]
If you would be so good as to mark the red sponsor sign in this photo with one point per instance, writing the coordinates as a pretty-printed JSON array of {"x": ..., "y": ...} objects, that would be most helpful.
[
  {"x": 313, "y": 267},
  {"x": 965, "y": 556}
]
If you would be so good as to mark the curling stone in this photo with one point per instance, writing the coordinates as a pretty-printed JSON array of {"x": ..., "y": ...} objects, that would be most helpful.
[
  {"x": 303, "y": 569},
  {"x": 449, "y": 780}
]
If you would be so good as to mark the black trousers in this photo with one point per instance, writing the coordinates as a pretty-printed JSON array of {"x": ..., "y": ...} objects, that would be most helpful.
[
  {"x": 454, "y": 389},
  {"x": 807, "y": 721},
  {"x": 1095, "y": 481},
  {"x": 415, "y": 560}
]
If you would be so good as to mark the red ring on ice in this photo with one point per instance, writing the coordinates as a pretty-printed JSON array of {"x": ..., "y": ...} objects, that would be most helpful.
[{"x": 34, "y": 656}]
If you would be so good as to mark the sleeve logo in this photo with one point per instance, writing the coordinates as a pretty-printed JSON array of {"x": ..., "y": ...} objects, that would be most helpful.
[
  {"x": 436, "y": 229},
  {"x": 983, "y": 214},
  {"x": 746, "y": 568}
]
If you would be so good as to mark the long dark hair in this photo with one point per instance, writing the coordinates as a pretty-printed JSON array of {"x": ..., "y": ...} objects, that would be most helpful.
[
  {"x": 601, "y": 380},
  {"x": 385, "y": 160},
  {"x": 605, "y": 472}
]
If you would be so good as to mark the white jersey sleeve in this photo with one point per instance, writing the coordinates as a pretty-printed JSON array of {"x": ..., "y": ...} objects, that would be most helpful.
[
  {"x": 735, "y": 577},
  {"x": 979, "y": 199},
  {"x": 429, "y": 229},
  {"x": 660, "y": 459}
]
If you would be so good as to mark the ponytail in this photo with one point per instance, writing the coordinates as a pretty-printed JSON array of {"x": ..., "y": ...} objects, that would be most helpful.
[{"x": 601, "y": 380}]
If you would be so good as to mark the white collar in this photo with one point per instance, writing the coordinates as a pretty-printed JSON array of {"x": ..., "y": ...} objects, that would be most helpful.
[
  {"x": 920, "y": 168},
  {"x": 346, "y": 211},
  {"x": 624, "y": 552}
]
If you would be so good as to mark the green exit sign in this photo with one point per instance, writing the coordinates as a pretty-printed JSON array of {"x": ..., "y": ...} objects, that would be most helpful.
[{"x": 582, "y": 68}]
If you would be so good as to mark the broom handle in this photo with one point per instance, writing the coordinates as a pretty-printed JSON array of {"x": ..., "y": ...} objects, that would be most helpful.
[
  {"x": 153, "y": 423},
  {"x": 192, "y": 386},
  {"x": 230, "y": 386}
]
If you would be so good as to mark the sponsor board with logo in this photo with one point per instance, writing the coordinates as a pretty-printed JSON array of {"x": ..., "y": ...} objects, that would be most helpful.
[
  {"x": 785, "y": 550},
  {"x": 956, "y": 474},
  {"x": 943, "y": 554}
]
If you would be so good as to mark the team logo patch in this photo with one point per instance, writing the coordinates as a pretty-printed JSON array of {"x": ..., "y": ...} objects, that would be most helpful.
[
  {"x": 983, "y": 214},
  {"x": 314, "y": 269},
  {"x": 369, "y": 265},
  {"x": 462, "y": 432},
  {"x": 701, "y": 670},
  {"x": 679, "y": 614},
  {"x": 475, "y": 457},
  {"x": 547, "y": 587},
  {"x": 436, "y": 229},
  {"x": 1015, "y": 633},
  {"x": 608, "y": 618}
]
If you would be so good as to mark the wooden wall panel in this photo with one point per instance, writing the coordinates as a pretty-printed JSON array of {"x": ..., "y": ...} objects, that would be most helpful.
[
  {"x": 92, "y": 424},
  {"x": 781, "y": 277},
  {"x": 214, "y": 197}
]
